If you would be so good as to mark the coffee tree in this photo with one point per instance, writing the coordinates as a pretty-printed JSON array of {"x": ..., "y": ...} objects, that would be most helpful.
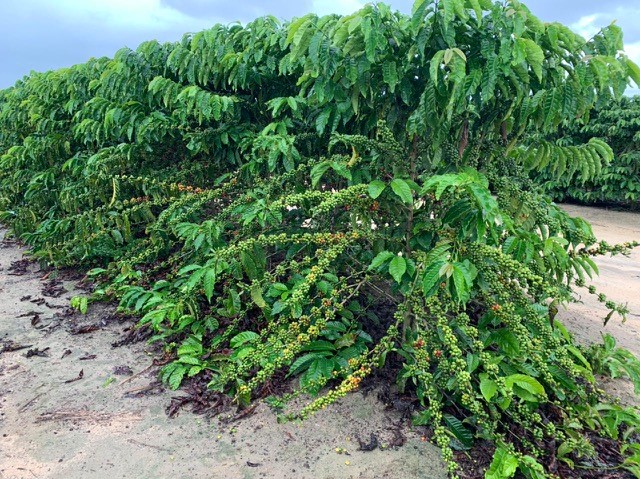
[
  {"x": 334, "y": 195},
  {"x": 617, "y": 122}
]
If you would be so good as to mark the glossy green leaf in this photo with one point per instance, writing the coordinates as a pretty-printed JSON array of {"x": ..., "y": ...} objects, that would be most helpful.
[{"x": 397, "y": 268}]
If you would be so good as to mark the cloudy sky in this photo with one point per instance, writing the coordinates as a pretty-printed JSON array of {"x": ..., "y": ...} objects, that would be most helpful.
[{"x": 47, "y": 34}]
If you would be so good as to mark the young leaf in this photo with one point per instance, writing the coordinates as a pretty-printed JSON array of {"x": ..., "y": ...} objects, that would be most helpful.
[
  {"x": 402, "y": 189},
  {"x": 488, "y": 388},
  {"x": 397, "y": 268},
  {"x": 209, "y": 283},
  {"x": 243, "y": 338},
  {"x": 503, "y": 466},
  {"x": 376, "y": 188}
]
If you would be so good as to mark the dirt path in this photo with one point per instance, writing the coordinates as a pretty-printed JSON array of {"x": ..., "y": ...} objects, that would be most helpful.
[
  {"x": 620, "y": 280},
  {"x": 90, "y": 428}
]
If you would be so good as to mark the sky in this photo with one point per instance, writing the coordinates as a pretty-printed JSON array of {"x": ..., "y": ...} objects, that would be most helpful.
[{"x": 48, "y": 34}]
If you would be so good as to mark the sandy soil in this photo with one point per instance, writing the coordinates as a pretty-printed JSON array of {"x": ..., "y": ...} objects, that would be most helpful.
[
  {"x": 620, "y": 280},
  {"x": 95, "y": 427},
  {"x": 91, "y": 428}
]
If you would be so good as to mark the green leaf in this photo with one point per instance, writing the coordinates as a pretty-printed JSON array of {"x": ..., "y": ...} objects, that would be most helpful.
[
  {"x": 243, "y": 338},
  {"x": 188, "y": 268},
  {"x": 175, "y": 379},
  {"x": 294, "y": 27},
  {"x": 84, "y": 305},
  {"x": 503, "y": 466},
  {"x": 96, "y": 272},
  {"x": 323, "y": 119},
  {"x": 317, "y": 172},
  {"x": 460, "y": 432},
  {"x": 462, "y": 283},
  {"x": 321, "y": 367},
  {"x": 192, "y": 346},
  {"x": 319, "y": 346},
  {"x": 243, "y": 353},
  {"x": 535, "y": 55},
  {"x": 527, "y": 383},
  {"x": 586, "y": 369},
  {"x": 381, "y": 259},
  {"x": 397, "y": 268},
  {"x": 390, "y": 75},
  {"x": 402, "y": 189},
  {"x": 278, "y": 307},
  {"x": 434, "y": 68},
  {"x": 369, "y": 34},
  {"x": 249, "y": 265},
  {"x": 633, "y": 71},
  {"x": 209, "y": 283},
  {"x": 488, "y": 388},
  {"x": 531, "y": 468},
  {"x": 439, "y": 183},
  {"x": 173, "y": 374},
  {"x": 477, "y": 9},
  {"x": 346, "y": 341},
  {"x": 431, "y": 276},
  {"x": 505, "y": 340},
  {"x": 342, "y": 170},
  {"x": 256, "y": 295},
  {"x": 194, "y": 279},
  {"x": 303, "y": 363},
  {"x": 81, "y": 303},
  {"x": 155, "y": 317},
  {"x": 376, "y": 188}
]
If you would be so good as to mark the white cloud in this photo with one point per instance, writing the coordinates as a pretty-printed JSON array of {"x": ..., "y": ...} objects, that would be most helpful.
[
  {"x": 624, "y": 16},
  {"x": 342, "y": 7},
  {"x": 141, "y": 15},
  {"x": 633, "y": 51},
  {"x": 587, "y": 26}
]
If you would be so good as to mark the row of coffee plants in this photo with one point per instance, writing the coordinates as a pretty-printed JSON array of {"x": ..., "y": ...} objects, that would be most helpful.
[
  {"x": 618, "y": 124},
  {"x": 333, "y": 195}
]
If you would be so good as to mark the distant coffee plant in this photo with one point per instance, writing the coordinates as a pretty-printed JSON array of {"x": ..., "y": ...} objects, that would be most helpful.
[
  {"x": 618, "y": 123},
  {"x": 326, "y": 196}
]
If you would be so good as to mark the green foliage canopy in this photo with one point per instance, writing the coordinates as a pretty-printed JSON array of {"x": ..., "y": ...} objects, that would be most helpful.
[{"x": 618, "y": 123}]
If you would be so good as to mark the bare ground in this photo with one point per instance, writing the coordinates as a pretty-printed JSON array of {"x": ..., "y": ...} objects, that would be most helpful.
[
  {"x": 619, "y": 280},
  {"x": 54, "y": 425}
]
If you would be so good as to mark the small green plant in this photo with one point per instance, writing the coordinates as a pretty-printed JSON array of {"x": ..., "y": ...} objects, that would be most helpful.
[
  {"x": 615, "y": 362},
  {"x": 107, "y": 382},
  {"x": 81, "y": 303}
]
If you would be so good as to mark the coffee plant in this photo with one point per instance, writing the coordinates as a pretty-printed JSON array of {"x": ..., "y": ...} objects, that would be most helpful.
[
  {"x": 618, "y": 123},
  {"x": 334, "y": 195}
]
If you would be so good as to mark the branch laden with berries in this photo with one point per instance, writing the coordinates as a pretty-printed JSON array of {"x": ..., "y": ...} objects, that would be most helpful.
[{"x": 334, "y": 195}]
